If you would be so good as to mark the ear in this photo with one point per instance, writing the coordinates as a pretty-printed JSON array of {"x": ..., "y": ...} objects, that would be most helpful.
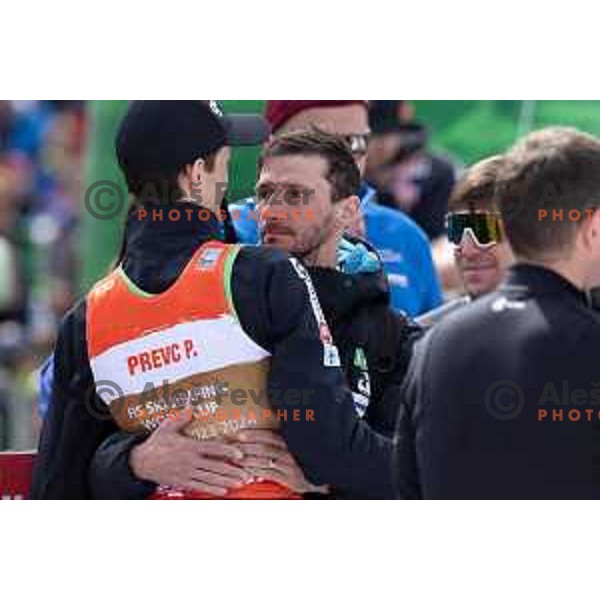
[
  {"x": 349, "y": 217},
  {"x": 190, "y": 178},
  {"x": 268, "y": 140},
  {"x": 589, "y": 233},
  {"x": 347, "y": 211},
  {"x": 196, "y": 172}
]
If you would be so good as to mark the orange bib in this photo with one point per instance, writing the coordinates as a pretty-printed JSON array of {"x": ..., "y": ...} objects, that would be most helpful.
[{"x": 181, "y": 350}]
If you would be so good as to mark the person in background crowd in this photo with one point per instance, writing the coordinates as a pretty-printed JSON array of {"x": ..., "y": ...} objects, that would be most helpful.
[
  {"x": 13, "y": 316},
  {"x": 43, "y": 151},
  {"x": 6, "y": 124},
  {"x": 500, "y": 396},
  {"x": 12, "y": 291},
  {"x": 63, "y": 158},
  {"x": 412, "y": 179},
  {"x": 481, "y": 251},
  {"x": 401, "y": 244},
  {"x": 407, "y": 175}
]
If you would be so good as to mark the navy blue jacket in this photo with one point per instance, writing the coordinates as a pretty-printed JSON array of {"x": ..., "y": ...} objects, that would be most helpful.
[{"x": 482, "y": 391}]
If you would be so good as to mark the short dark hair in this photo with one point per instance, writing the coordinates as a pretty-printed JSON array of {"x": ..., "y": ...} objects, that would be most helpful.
[
  {"x": 161, "y": 187},
  {"x": 554, "y": 169},
  {"x": 475, "y": 188},
  {"x": 342, "y": 171}
]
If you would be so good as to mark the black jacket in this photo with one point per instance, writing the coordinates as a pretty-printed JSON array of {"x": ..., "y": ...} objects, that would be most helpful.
[
  {"x": 357, "y": 308},
  {"x": 363, "y": 324},
  {"x": 273, "y": 306},
  {"x": 473, "y": 425}
]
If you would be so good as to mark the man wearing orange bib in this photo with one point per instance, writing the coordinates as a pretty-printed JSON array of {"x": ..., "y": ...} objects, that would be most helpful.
[
  {"x": 202, "y": 341},
  {"x": 119, "y": 315}
]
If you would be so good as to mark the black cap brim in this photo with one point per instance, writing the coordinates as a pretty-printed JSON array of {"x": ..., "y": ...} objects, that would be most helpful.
[{"x": 245, "y": 130}]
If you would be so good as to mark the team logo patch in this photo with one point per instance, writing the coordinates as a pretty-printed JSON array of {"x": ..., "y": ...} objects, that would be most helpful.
[
  {"x": 360, "y": 359},
  {"x": 361, "y": 403},
  {"x": 208, "y": 259},
  {"x": 362, "y": 383},
  {"x": 503, "y": 303},
  {"x": 331, "y": 356}
]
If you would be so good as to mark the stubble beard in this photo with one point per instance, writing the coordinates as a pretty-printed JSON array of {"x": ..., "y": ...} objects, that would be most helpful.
[{"x": 313, "y": 240}]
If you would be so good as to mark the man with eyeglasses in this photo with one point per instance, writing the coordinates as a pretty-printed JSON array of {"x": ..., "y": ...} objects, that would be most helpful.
[
  {"x": 402, "y": 245},
  {"x": 475, "y": 230}
]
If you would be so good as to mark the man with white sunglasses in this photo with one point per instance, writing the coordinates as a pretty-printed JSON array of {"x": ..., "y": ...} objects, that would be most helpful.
[{"x": 474, "y": 228}]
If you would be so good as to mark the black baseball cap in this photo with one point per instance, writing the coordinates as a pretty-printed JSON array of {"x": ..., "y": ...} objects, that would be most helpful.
[{"x": 161, "y": 135}]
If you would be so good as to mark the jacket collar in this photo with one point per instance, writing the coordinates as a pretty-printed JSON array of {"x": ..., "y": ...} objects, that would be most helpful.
[
  {"x": 537, "y": 280},
  {"x": 342, "y": 293},
  {"x": 366, "y": 194},
  {"x": 169, "y": 225},
  {"x": 158, "y": 246}
]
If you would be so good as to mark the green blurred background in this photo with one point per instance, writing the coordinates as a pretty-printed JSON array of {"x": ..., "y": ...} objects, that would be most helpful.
[
  {"x": 472, "y": 129},
  {"x": 467, "y": 130}
]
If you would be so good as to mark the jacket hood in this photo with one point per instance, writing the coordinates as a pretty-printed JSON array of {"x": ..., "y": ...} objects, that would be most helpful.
[
  {"x": 357, "y": 256},
  {"x": 358, "y": 282}
]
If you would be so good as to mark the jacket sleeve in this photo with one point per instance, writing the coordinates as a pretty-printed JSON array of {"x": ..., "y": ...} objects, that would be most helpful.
[
  {"x": 401, "y": 333},
  {"x": 412, "y": 410},
  {"x": 77, "y": 420},
  {"x": 111, "y": 478},
  {"x": 46, "y": 382},
  {"x": 332, "y": 445}
]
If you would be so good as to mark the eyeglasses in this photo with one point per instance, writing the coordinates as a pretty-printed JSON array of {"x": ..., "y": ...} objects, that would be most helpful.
[
  {"x": 485, "y": 228},
  {"x": 358, "y": 142}
]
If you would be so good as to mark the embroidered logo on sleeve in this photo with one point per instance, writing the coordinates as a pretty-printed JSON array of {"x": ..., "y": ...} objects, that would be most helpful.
[
  {"x": 208, "y": 259},
  {"x": 362, "y": 394}
]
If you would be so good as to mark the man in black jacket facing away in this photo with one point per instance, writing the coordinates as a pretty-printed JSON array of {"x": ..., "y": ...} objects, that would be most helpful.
[
  {"x": 500, "y": 396},
  {"x": 184, "y": 144}
]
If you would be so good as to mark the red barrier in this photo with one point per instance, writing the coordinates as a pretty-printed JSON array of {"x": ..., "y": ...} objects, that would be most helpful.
[{"x": 16, "y": 470}]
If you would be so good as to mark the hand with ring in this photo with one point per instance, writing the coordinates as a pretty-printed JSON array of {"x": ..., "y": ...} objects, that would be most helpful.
[{"x": 266, "y": 457}]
